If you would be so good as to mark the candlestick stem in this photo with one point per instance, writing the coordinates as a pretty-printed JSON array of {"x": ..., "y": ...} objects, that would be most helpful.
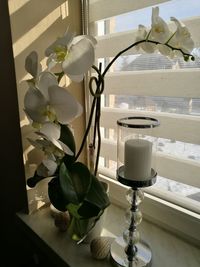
[{"x": 129, "y": 250}]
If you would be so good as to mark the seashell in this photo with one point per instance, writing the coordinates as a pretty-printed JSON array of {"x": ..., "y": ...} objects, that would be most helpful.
[
  {"x": 53, "y": 211},
  {"x": 100, "y": 248},
  {"x": 62, "y": 221}
]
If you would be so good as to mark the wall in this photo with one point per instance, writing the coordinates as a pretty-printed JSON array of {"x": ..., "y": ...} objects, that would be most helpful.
[
  {"x": 12, "y": 180},
  {"x": 34, "y": 24}
]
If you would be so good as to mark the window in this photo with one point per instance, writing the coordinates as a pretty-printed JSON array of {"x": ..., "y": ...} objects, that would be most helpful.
[{"x": 152, "y": 85}]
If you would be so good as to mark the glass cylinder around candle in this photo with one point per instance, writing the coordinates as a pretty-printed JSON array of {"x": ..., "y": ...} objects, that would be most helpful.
[{"x": 136, "y": 147}]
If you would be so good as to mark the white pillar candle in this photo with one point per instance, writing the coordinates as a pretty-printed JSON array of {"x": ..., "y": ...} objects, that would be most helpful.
[{"x": 137, "y": 159}]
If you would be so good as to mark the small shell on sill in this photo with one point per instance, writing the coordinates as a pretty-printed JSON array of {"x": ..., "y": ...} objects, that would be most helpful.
[
  {"x": 62, "y": 221},
  {"x": 100, "y": 247}
]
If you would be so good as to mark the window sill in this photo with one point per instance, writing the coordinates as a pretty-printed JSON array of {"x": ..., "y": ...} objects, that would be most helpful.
[{"x": 167, "y": 249}]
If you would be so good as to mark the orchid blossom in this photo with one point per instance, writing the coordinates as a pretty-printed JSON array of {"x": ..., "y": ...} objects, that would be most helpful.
[
  {"x": 75, "y": 54},
  {"x": 143, "y": 34},
  {"x": 159, "y": 28},
  {"x": 46, "y": 101},
  {"x": 53, "y": 148},
  {"x": 50, "y": 144},
  {"x": 159, "y": 37},
  {"x": 182, "y": 37}
]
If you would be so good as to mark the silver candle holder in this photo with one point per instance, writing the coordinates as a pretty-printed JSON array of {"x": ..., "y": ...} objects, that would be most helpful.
[{"x": 134, "y": 153}]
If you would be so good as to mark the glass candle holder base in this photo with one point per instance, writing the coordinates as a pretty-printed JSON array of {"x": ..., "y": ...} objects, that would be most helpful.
[
  {"x": 119, "y": 257},
  {"x": 136, "y": 183}
]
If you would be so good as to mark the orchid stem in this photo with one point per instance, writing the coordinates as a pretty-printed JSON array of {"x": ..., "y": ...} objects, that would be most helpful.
[{"x": 99, "y": 90}]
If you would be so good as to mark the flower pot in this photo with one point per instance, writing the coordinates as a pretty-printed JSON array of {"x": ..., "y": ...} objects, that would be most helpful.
[{"x": 84, "y": 230}]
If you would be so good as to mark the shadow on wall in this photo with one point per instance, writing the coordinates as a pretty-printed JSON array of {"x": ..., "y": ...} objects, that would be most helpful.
[{"x": 28, "y": 15}]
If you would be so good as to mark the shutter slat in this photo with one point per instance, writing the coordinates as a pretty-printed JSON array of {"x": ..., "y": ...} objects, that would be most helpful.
[
  {"x": 116, "y": 42},
  {"x": 174, "y": 168},
  {"x": 102, "y": 9},
  {"x": 168, "y": 83},
  {"x": 172, "y": 126}
]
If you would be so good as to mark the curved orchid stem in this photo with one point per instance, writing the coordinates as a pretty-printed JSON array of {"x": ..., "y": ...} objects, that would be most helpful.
[
  {"x": 96, "y": 103},
  {"x": 99, "y": 90}
]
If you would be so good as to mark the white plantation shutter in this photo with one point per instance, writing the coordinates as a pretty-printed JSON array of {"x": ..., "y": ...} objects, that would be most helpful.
[{"x": 151, "y": 85}]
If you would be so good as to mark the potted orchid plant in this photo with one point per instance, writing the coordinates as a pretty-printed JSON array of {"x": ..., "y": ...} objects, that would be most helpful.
[{"x": 51, "y": 109}]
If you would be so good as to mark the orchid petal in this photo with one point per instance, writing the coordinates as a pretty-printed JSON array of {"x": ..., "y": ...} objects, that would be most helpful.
[
  {"x": 64, "y": 104},
  {"x": 46, "y": 168},
  {"x": 51, "y": 157},
  {"x": 164, "y": 50},
  {"x": 50, "y": 130},
  {"x": 80, "y": 58},
  {"x": 31, "y": 63},
  {"x": 142, "y": 32},
  {"x": 49, "y": 147},
  {"x": 80, "y": 37},
  {"x": 46, "y": 80},
  {"x": 142, "y": 35},
  {"x": 51, "y": 133},
  {"x": 61, "y": 41},
  {"x": 35, "y": 143},
  {"x": 148, "y": 47},
  {"x": 62, "y": 147},
  {"x": 66, "y": 149},
  {"x": 50, "y": 165},
  {"x": 182, "y": 38},
  {"x": 159, "y": 28},
  {"x": 35, "y": 105},
  {"x": 51, "y": 62}
]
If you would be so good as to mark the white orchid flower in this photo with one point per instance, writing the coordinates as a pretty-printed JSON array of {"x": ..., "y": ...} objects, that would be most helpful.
[
  {"x": 50, "y": 144},
  {"x": 182, "y": 37},
  {"x": 76, "y": 54},
  {"x": 142, "y": 35},
  {"x": 59, "y": 48},
  {"x": 51, "y": 131},
  {"x": 159, "y": 29},
  {"x": 35, "y": 105},
  {"x": 50, "y": 102}
]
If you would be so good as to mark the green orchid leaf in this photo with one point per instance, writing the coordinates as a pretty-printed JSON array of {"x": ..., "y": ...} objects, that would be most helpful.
[
  {"x": 81, "y": 178},
  {"x": 67, "y": 138},
  {"x": 67, "y": 186},
  {"x": 56, "y": 196},
  {"x": 97, "y": 195},
  {"x": 75, "y": 183},
  {"x": 32, "y": 181},
  {"x": 88, "y": 210}
]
